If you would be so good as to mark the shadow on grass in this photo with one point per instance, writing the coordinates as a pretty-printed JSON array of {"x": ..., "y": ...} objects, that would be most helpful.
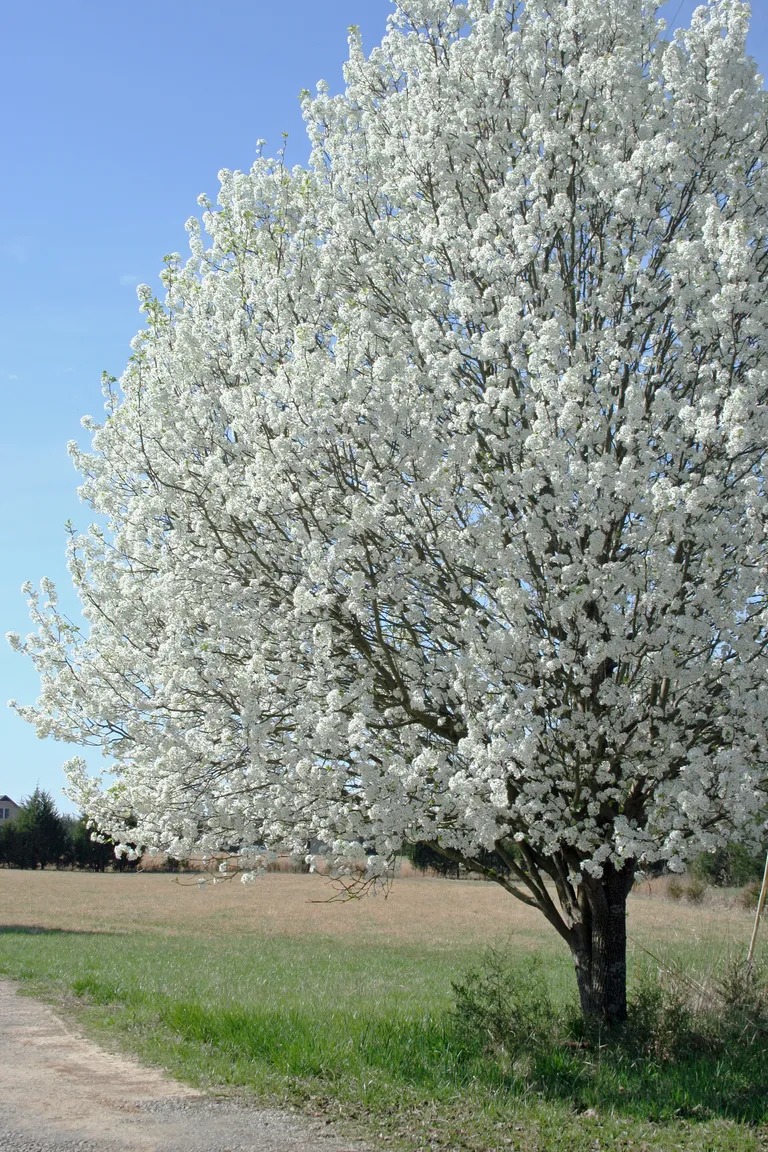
[
  {"x": 719, "y": 1084},
  {"x": 38, "y": 930}
]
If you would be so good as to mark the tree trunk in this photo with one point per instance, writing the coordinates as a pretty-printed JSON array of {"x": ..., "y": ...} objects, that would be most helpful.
[{"x": 599, "y": 946}]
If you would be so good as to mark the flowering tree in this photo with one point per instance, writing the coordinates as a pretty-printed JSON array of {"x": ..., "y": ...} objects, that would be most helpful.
[{"x": 433, "y": 496}]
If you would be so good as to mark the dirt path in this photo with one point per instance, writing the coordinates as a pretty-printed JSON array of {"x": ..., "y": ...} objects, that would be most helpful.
[{"x": 59, "y": 1092}]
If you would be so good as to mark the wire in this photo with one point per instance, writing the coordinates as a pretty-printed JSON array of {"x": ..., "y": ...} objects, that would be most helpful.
[{"x": 677, "y": 13}]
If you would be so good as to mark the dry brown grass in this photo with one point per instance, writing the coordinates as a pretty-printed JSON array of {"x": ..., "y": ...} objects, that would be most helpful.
[{"x": 417, "y": 910}]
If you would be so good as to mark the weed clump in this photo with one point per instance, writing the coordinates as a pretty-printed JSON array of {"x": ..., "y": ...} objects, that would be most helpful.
[
  {"x": 694, "y": 889},
  {"x": 688, "y": 1048},
  {"x": 505, "y": 1008},
  {"x": 660, "y": 1017},
  {"x": 749, "y": 895},
  {"x": 672, "y": 1014},
  {"x": 743, "y": 993}
]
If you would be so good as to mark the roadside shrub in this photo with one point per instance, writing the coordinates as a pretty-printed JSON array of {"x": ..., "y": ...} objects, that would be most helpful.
[
  {"x": 743, "y": 993},
  {"x": 661, "y": 1016},
  {"x": 504, "y": 1007},
  {"x": 672, "y": 1017},
  {"x": 503, "y": 1014}
]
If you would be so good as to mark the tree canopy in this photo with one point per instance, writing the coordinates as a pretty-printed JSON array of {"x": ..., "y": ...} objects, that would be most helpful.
[{"x": 431, "y": 504}]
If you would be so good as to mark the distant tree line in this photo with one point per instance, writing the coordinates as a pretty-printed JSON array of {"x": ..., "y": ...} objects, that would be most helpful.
[
  {"x": 732, "y": 866},
  {"x": 429, "y": 858},
  {"x": 41, "y": 837}
]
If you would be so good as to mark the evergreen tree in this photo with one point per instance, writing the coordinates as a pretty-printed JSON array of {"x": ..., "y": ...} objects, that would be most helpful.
[
  {"x": 39, "y": 836},
  {"x": 94, "y": 855}
]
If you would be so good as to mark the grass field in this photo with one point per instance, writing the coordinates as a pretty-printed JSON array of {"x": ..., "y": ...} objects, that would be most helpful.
[{"x": 345, "y": 1008}]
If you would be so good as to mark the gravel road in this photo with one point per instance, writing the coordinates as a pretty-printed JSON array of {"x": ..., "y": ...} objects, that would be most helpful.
[{"x": 59, "y": 1092}]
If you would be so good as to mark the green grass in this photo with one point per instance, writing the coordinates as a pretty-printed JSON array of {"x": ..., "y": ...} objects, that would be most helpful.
[{"x": 364, "y": 1033}]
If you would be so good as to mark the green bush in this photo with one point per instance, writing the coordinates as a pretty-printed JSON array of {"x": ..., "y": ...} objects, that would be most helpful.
[
  {"x": 672, "y": 1017},
  {"x": 503, "y": 1012},
  {"x": 660, "y": 1016},
  {"x": 504, "y": 1006},
  {"x": 742, "y": 991}
]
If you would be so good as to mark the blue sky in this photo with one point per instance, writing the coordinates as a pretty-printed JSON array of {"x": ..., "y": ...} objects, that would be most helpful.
[{"x": 113, "y": 118}]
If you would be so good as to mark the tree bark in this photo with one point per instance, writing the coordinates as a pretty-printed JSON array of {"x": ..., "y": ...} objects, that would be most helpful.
[
  {"x": 591, "y": 918},
  {"x": 599, "y": 946}
]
